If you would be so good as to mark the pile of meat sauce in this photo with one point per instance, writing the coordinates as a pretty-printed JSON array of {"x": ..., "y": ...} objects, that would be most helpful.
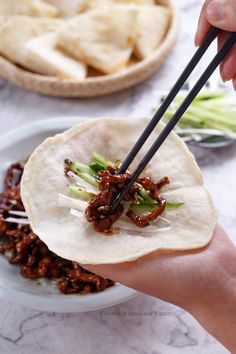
[
  {"x": 25, "y": 249},
  {"x": 110, "y": 184}
]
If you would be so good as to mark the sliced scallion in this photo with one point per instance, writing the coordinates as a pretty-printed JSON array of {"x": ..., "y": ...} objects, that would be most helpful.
[
  {"x": 88, "y": 178},
  {"x": 102, "y": 160},
  {"x": 80, "y": 193}
]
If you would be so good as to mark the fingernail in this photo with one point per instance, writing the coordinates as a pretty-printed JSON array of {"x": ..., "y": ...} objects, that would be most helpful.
[
  {"x": 196, "y": 39},
  {"x": 215, "y": 10},
  {"x": 224, "y": 76},
  {"x": 198, "y": 34}
]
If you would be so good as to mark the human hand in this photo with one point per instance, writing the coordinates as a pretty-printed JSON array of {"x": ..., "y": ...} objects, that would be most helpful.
[
  {"x": 182, "y": 278},
  {"x": 201, "y": 281},
  {"x": 221, "y": 14}
]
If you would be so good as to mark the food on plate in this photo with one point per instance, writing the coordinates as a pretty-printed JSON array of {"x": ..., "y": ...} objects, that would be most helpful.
[
  {"x": 56, "y": 210},
  {"x": 49, "y": 60},
  {"x": 23, "y": 248},
  {"x": 210, "y": 118},
  {"x": 16, "y": 31},
  {"x": 102, "y": 38},
  {"x": 35, "y": 8},
  {"x": 142, "y": 204},
  {"x": 88, "y": 38}
]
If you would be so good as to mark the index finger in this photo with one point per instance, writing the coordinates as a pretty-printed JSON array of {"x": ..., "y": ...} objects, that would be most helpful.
[{"x": 203, "y": 25}]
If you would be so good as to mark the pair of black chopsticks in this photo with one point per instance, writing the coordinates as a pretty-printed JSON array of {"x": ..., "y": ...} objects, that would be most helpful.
[{"x": 230, "y": 41}]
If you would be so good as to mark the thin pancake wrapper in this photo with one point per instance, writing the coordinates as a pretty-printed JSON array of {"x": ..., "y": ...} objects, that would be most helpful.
[
  {"x": 50, "y": 60},
  {"x": 69, "y": 8},
  {"x": 102, "y": 38},
  {"x": 190, "y": 227},
  {"x": 152, "y": 25},
  {"x": 17, "y": 31},
  {"x": 36, "y": 8}
]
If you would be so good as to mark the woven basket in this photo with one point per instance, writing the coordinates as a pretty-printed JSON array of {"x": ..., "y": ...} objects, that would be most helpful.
[{"x": 97, "y": 85}]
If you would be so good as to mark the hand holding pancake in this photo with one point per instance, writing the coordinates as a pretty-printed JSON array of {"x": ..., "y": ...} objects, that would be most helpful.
[
  {"x": 201, "y": 281},
  {"x": 182, "y": 279}
]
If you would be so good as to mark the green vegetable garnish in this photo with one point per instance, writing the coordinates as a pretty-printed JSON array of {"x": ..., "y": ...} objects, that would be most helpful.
[
  {"x": 80, "y": 167},
  {"x": 102, "y": 160},
  {"x": 80, "y": 193},
  {"x": 142, "y": 208},
  {"x": 90, "y": 176},
  {"x": 144, "y": 194},
  {"x": 96, "y": 166},
  {"x": 173, "y": 205},
  {"x": 211, "y": 113}
]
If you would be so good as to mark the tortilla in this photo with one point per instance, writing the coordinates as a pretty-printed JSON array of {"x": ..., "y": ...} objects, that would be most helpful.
[
  {"x": 102, "y": 38},
  {"x": 37, "y": 8},
  {"x": 73, "y": 237},
  {"x": 16, "y": 31},
  {"x": 152, "y": 25},
  {"x": 49, "y": 60}
]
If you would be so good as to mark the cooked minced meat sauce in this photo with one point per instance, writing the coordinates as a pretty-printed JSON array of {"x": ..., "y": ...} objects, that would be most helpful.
[
  {"x": 110, "y": 183},
  {"x": 25, "y": 249}
]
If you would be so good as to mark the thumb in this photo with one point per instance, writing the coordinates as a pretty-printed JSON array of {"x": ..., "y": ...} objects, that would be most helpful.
[{"x": 222, "y": 14}]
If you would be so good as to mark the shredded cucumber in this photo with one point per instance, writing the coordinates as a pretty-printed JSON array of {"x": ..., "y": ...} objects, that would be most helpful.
[
  {"x": 88, "y": 178},
  {"x": 142, "y": 208},
  {"x": 80, "y": 167},
  {"x": 96, "y": 167},
  {"x": 214, "y": 111}
]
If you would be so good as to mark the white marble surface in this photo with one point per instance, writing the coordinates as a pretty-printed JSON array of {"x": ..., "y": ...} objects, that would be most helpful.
[{"x": 120, "y": 329}]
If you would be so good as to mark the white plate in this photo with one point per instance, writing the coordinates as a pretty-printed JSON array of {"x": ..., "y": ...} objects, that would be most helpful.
[{"x": 43, "y": 295}]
